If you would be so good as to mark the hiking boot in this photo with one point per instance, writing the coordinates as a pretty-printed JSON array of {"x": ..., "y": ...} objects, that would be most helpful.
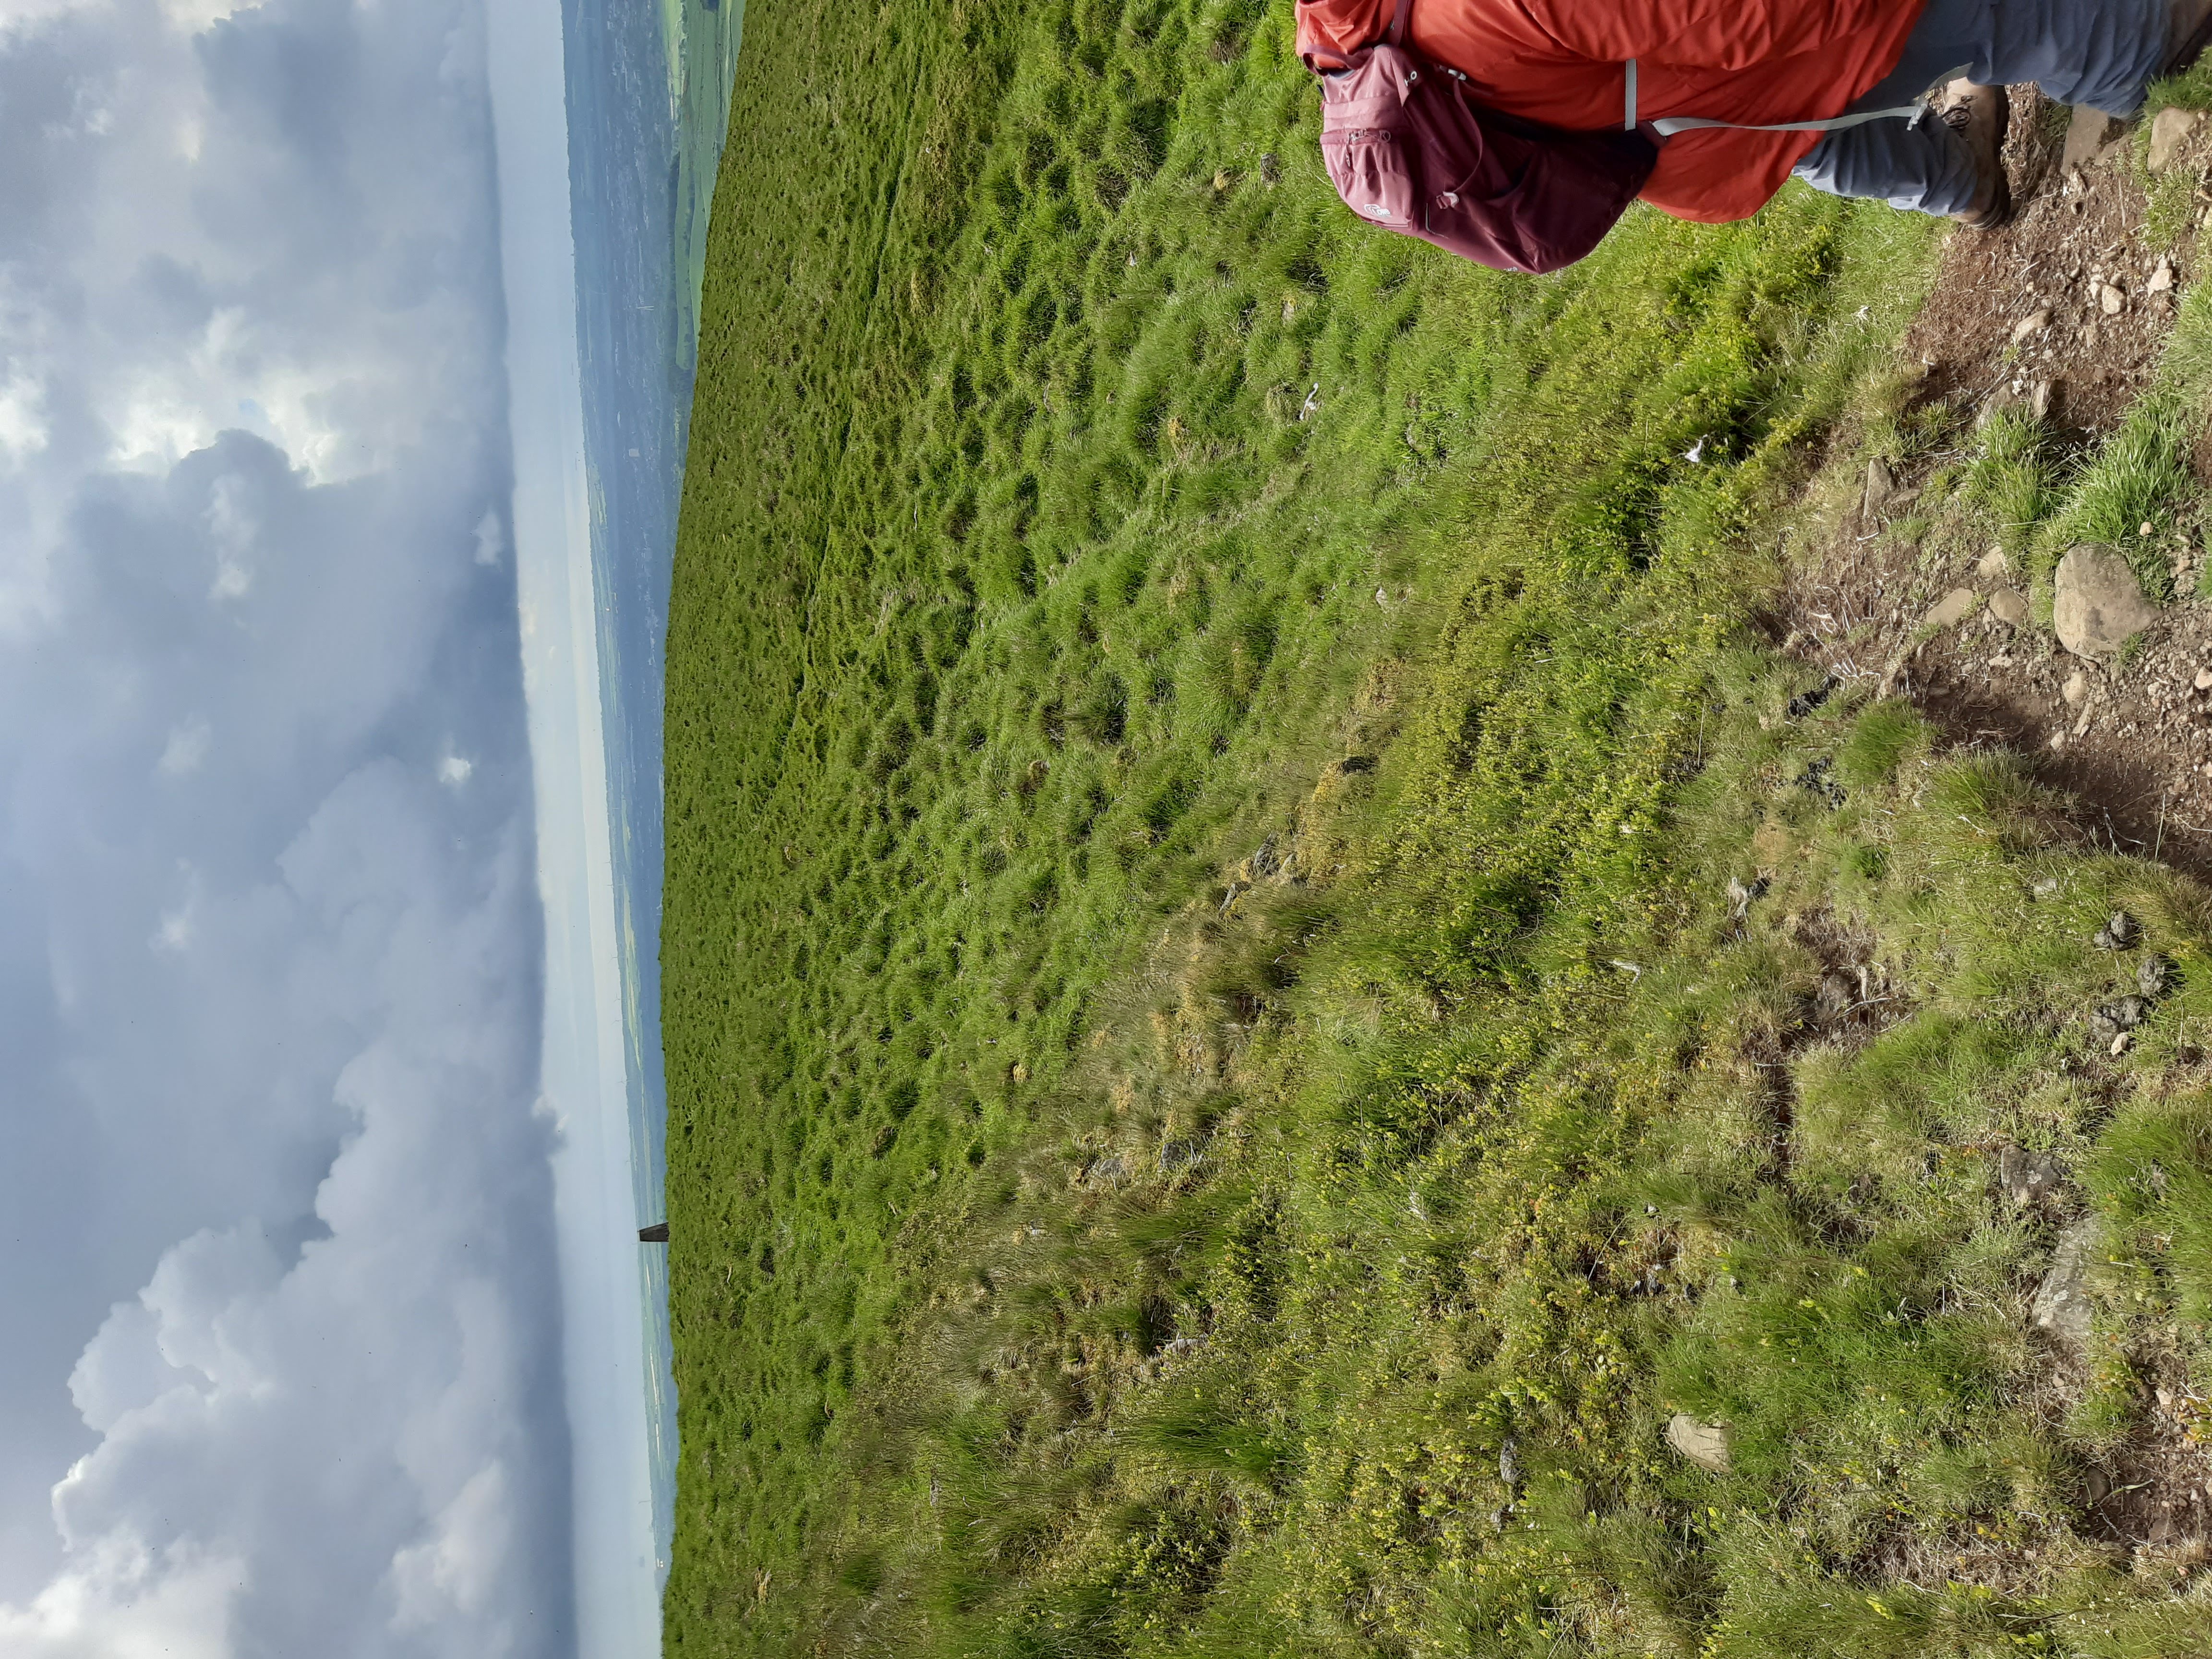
[
  {"x": 2188, "y": 31},
  {"x": 1980, "y": 115}
]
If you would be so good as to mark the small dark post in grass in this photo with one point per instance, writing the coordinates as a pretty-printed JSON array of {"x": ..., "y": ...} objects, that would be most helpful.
[{"x": 656, "y": 1234}]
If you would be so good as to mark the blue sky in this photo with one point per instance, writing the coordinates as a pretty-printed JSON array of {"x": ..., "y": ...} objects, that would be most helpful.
[{"x": 289, "y": 1213}]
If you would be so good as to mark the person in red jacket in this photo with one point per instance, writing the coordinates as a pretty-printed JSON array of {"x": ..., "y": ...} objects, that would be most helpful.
[{"x": 1588, "y": 65}]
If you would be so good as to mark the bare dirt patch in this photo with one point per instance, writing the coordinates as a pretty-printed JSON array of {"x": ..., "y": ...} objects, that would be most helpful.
[{"x": 2066, "y": 310}]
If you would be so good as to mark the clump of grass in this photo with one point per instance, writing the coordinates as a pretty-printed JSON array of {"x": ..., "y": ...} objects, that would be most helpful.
[
  {"x": 2132, "y": 493},
  {"x": 2010, "y": 478}
]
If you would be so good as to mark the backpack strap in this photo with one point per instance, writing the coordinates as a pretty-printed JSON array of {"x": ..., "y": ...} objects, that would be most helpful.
[
  {"x": 1668, "y": 126},
  {"x": 1399, "y": 19}
]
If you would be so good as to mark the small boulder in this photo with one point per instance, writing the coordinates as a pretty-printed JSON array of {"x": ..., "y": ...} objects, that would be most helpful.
[
  {"x": 2009, "y": 606},
  {"x": 1705, "y": 1444},
  {"x": 2097, "y": 605},
  {"x": 1953, "y": 608},
  {"x": 2089, "y": 134},
  {"x": 2168, "y": 128},
  {"x": 2062, "y": 1304}
]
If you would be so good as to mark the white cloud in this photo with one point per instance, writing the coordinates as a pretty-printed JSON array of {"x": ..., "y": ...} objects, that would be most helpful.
[
  {"x": 124, "y": 1600},
  {"x": 491, "y": 538},
  {"x": 283, "y": 1369},
  {"x": 187, "y": 750},
  {"x": 22, "y": 418}
]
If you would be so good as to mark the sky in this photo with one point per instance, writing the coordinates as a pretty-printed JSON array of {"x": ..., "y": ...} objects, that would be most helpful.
[{"x": 283, "y": 1206}]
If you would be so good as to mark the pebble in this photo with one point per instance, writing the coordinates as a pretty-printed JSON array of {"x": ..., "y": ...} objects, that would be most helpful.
[
  {"x": 2203, "y": 680},
  {"x": 2111, "y": 300},
  {"x": 2076, "y": 688},
  {"x": 2034, "y": 323},
  {"x": 1953, "y": 608},
  {"x": 1993, "y": 564},
  {"x": 2161, "y": 278},
  {"x": 2009, "y": 606}
]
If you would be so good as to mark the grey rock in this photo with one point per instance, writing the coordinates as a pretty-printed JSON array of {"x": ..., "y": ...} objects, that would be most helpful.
[
  {"x": 2099, "y": 605},
  {"x": 1881, "y": 486},
  {"x": 2089, "y": 134},
  {"x": 2103, "y": 1028},
  {"x": 1705, "y": 1444},
  {"x": 2119, "y": 931},
  {"x": 2168, "y": 128},
  {"x": 1509, "y": 1462},
  {"x": 1834, "y": 999},
  {"x": 2062, "y": 1304},
  {"x": 2009, "y": 606},
  {"x": 2027, "y": 1178},
  {"x": 1953, "y": 608},
  {"x": 2152, "y": 974}
]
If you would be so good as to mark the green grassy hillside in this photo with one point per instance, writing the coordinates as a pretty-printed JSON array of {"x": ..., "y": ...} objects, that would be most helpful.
[{"x": 1217, "y": 1099}]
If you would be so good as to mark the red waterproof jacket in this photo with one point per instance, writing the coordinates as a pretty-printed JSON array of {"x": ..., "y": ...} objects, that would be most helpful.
[{"x": 1564, "y": 62}]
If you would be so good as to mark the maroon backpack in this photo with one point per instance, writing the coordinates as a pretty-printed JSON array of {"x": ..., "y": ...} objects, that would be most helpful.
[{"x": 1409, "y": 150}]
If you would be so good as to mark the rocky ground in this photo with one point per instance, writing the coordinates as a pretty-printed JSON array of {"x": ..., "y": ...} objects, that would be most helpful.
[{"x": 2065, "y": 311}]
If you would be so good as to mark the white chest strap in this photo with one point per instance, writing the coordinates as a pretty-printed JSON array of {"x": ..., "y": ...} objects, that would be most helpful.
[{"x": 1666, "y": 126}]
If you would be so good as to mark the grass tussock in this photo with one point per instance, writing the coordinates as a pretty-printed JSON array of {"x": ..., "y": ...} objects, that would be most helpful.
[{"x": 1222, "y": 1095}]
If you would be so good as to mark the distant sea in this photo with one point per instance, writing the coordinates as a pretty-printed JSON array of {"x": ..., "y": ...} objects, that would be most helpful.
[{"x": 648, "y": 92}]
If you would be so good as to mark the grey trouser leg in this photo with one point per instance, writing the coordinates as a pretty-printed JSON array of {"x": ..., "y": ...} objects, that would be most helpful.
[{"x": 2103, "y": 53}]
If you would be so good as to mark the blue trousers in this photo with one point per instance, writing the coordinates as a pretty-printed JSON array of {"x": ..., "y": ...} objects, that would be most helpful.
[{"x": 2104, "y": 54}]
